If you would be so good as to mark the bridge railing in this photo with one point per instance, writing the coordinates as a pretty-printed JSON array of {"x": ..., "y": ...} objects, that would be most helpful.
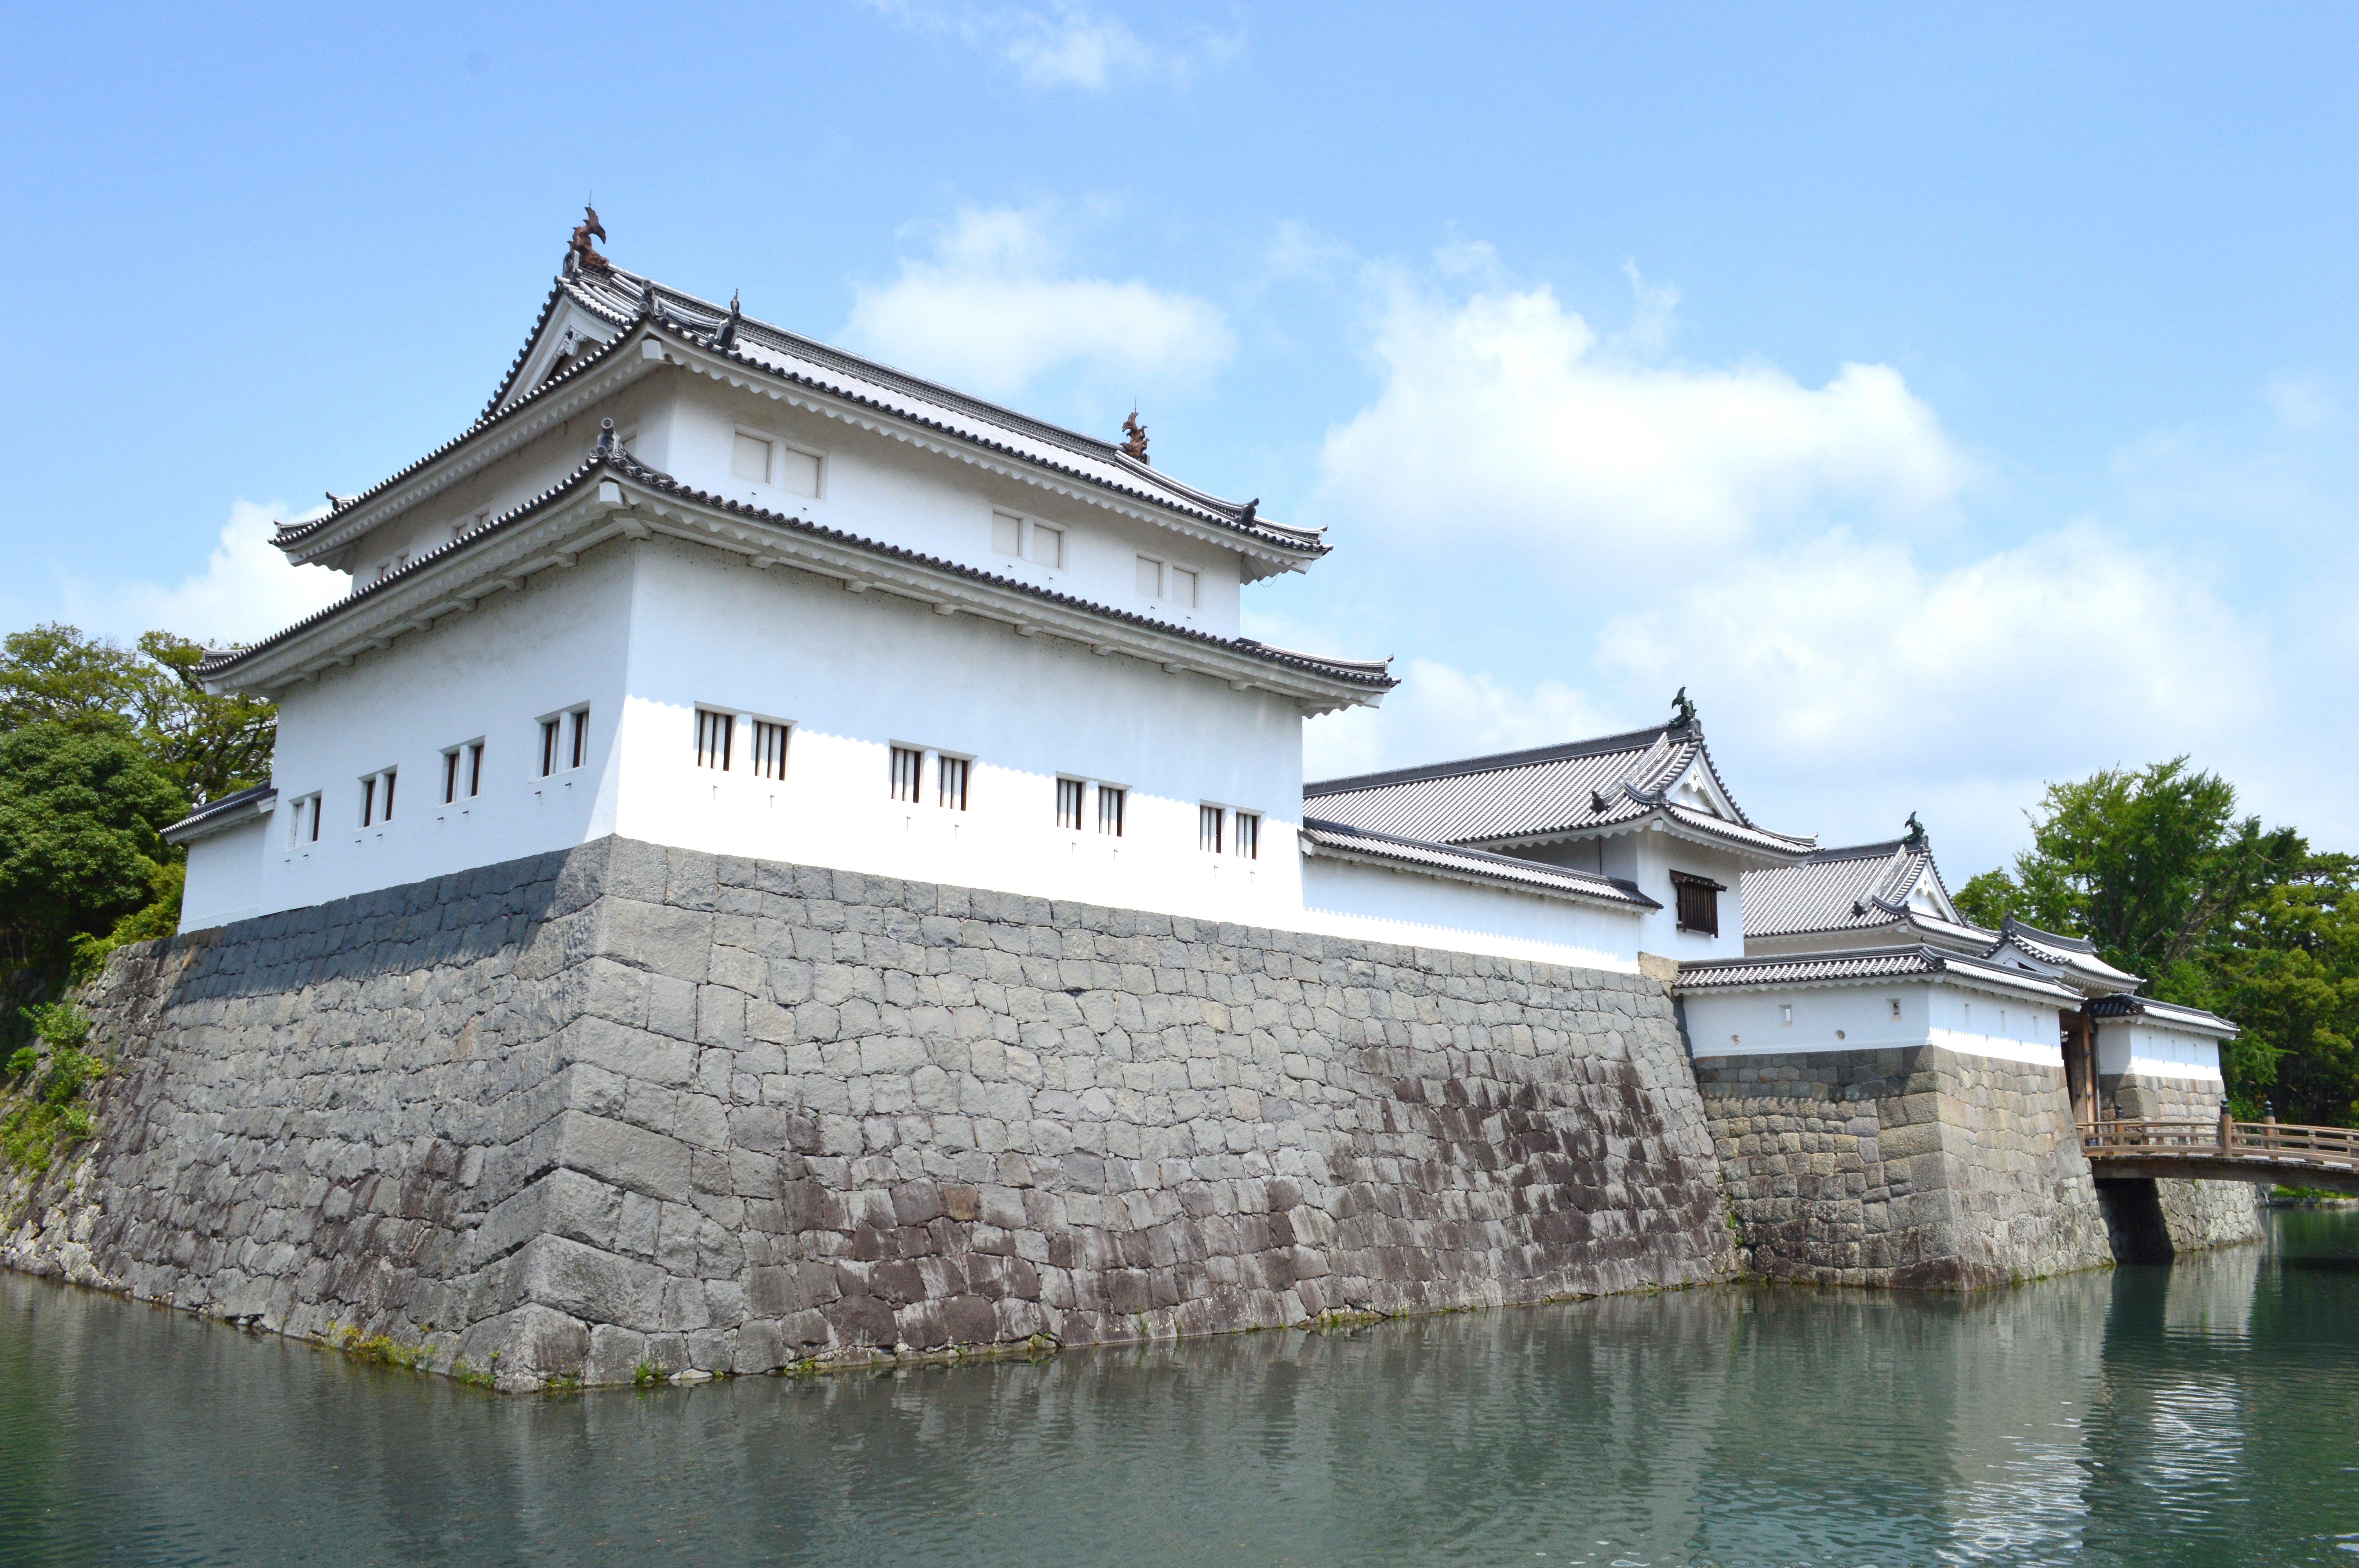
[{"x": 2288, "y": 1141}]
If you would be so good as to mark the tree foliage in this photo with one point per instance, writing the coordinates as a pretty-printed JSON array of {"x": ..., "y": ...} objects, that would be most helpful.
[
  {"x": 2155, "y": 866},
  {"x": 99, "y": 747}
]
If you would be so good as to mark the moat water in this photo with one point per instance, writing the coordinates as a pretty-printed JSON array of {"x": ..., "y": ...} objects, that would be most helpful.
[{"x": 2203, "y": 1413}]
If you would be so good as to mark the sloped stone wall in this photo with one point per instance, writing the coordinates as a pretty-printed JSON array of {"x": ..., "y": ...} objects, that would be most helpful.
[
  {"x": 1911, "y": 1168},
  {"x": 624, "y": 1107},
  {"x": 2192, "y": 1216}
]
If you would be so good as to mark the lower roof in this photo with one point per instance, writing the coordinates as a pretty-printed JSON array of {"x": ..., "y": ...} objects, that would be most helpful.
[
  {"x": 1867, "y": 967},
  {"x": 1346, "y": 842}
]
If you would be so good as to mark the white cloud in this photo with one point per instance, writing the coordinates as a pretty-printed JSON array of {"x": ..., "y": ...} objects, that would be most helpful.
[
  {"x": 2302, "y": 402},
  {"x": 1441, "y": 711},
  {"x": 993, "y": 312},
  {"x": 246, "y": 591},
  {"x": 1066, "y": 45},
  {"x": 1504, "y": 415}
]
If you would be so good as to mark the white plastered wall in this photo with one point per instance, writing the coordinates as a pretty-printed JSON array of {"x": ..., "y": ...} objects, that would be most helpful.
[
  {"x": 1348, "y": 898},
  {"x": 225, "y": 876},
  {"x": 1861, "y": 1018},
  {"x": 2143, "y": 1047},
  {"x": 1648, "y": 858}
]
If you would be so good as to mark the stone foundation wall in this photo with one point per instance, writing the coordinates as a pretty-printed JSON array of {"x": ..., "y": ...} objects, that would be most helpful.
[
  {"x": 2193, "y": 1217},
  {"x": 1913, "y": 1168},
  {"x": 626, "y": 1106}
]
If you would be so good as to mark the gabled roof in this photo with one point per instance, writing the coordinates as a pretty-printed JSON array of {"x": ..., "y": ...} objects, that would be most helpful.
[
  {"x": 1346, "y": 842},
  {"x": 1855, "y": 887},
  {"x": 1614, "y": 784},
  {"x": 2074, "y": 957},
  {"x": 2170, "y": 1014},
  {"x": 1867, "y": 967},
  {"x": 455, "y": 576},
  {"x": 616, "y": 300}
]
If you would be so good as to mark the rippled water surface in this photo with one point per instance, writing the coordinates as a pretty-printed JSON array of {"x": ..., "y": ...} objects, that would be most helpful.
[{"x": 2206, "y": 1413}]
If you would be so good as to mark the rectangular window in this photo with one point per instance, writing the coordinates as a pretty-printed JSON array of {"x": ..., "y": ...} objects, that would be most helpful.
[
  {"x": 798, "y": 471},
  {"x": 387, "y": 815},
  {"x": 475, "y": 769},
  {"x": 1047, "y": 546},
  {"x": 908, "y": 769},
  {"x": 580, "y": 718},
  {"x": 1698, "y": 903},
  {"x": 714, "y": 731},
  {"x": 368, "y": 801},
  {"x": 769, "y": 750},
  {"x": 1069, "y": 804},
  {"x": 1183, "y": 586},
  {"x": 750, "y": 459},
  {"x": 1208, "y": 829},
  {"x": 1007, "y": 533},
  {"x": 303, "y": 822},
  {"x": 1109, "y": 802},
  {"x": 1150, "y": 577},
  {"x": 549, "y": 733},
  {"x": 1247, "y": 835},
  {"x": 951, "y": 794},
  {"x": 451, "y": 775}
]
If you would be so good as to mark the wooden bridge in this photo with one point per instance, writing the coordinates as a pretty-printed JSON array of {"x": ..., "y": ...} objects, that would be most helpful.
[{"x": 2226, "y": 1151}]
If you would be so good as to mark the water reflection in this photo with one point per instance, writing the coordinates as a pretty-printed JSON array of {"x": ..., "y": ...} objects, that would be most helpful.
[{"x": 2191, "y": 1413}]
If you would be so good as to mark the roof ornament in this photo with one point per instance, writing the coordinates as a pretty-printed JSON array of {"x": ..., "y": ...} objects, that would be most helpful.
[
  {"x": 1137, "y": 446},
  {"x": 336, "y": 502},
  {"x": 1915, "y": 840},
  {"x": 1252, "y": 506},
  {"x": 650, "y": 306},
  {"x": 579, "y": 254},
  {"x": 725, "y": 335},
  {"x": 1683, "y": 712},
  {"x": 606, "y": 447}
]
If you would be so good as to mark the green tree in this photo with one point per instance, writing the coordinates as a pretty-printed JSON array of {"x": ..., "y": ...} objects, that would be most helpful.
[
  {"x": 79, "y": 813},
  {"x": 211, "y": 745},
  {"x": 2289, "y": 975}
]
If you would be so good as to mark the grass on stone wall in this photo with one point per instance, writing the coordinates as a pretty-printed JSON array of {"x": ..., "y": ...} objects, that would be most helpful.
[{"x": 43, "y": 1089}]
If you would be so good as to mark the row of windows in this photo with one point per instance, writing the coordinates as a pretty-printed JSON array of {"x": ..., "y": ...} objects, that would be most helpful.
[
  {"x": 1218, "y": 828},
  {"x": 717, "y": 744},
  {"x": 1044, "y": 545},
  {"x": 564, "y": 745}
]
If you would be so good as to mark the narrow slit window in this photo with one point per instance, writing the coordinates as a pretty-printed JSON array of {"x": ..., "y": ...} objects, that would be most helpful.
[
  {"x": 548, "y": 738},
  {"x": 1069, "y": 805},
  {"x": 951, "y": 794},
  {"x": 450, "y": 776},
  {"x": 475, "y": 769},
  {"x": 389, "y": 775},
  {"x": 1208, "y": 829},
  {"x": 581, "y": 726},
  {"x": 368, "y": 801},
  {"x": 1110, "y": 804},
  {"x": 1245, "y": 840},
  {"x": 769, "y": 750},
  {"x": 714, "y": 731},
  {"x": 909, "y": 770}
]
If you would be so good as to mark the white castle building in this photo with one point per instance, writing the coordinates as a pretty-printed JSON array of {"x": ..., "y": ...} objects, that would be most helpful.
[{"x": 694, "y": 580}]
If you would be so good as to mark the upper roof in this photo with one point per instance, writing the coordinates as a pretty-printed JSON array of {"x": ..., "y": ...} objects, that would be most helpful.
[
  {"x": 590, "y": 309},
  {"x": 1614, "y": 784},
  {"x": 1855, "y": 887},
  {"x": 2170, "y": 1014},
  {"x": 1865, "y": 967},
  {"x": 1346, "y": 842}
]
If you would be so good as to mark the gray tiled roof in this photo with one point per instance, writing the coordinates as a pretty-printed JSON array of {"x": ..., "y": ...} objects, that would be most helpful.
[
  {"x": 1525, "y": 875},
  {"x": 2075, "y": 955},
  {"x": 1584, "y": 787},
  {"x": 616, "y": 297},
  {"x": 194, "y": 824},
  {"x": 1851, "y": 888},
  {"x": 2124, "y": 1005},
  {"x": 1860, "y": 968},
  {"x": 1371, "y": 675}
]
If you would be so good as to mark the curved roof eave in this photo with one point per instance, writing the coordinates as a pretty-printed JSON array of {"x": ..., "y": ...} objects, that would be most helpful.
[{"x": 1367, "y": 678}]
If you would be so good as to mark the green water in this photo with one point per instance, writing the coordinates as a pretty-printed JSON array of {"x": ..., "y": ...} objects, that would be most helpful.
[{"x": 2206, "y": 1414}]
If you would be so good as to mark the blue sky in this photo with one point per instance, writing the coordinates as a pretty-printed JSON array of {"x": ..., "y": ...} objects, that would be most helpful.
[{"x": 1951, "y": 401}]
